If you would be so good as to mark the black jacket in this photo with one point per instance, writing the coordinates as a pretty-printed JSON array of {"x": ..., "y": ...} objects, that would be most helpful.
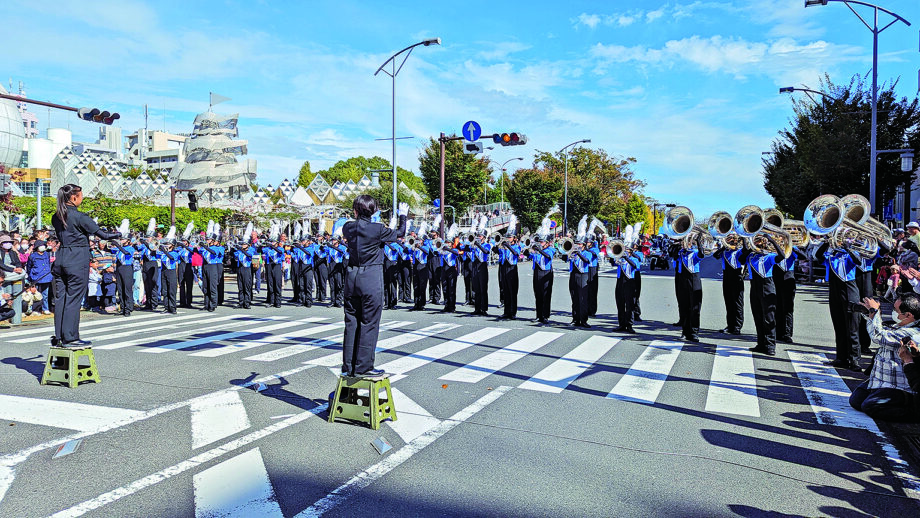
[{"x": 365, "y": 240}]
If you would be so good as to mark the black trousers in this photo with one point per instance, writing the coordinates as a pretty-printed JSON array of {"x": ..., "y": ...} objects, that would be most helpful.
[
  {"x": 449, "y": 285},
  {"x": 244, "y": 285},
  {"x": 578, "y": 290},
  {"x": 405, "y": 281},
  {"x": 220, "y": 284},
  {"x": 625, "y": 296},
  {"x": 169, "y": 281},
  {"x": 637, "y": 291},
  {"x": 124, "y": 276},
  {"x": 363, "y": 301},
  {"x": 480, "y": 280},
  {"x": 70, "y": 279},
  {"x": 306, "y": 284},
  {"x": 321, "y": 276},
  {"x": 186, "y": 280},
  {"x": 466, "y": 269},
  {"x": 864, "y": 285},
  {"x": 151, "y": 271},
  {"x": 543, "y": 292},
  {"x": 337, "y": 283},
  {"x": 296, "y": 282},
  {"x": 501, "y": 281},
  {"x": 592, "y": 291},
  {"x": 690, "y": 302},
  {"x": 733, "y": 294},
  {"x": 390, "y": 283},
  {"x": 508, "y": 286},
  {"x": 434, "y": 287},
  {"x": 785, "y": 306},
  {"x": 841, "y": 295},
  {"x": 420, "y": 285},
  {"x": 763, "y": 307},
  {"x": 680, "y": 309},
  {"x": 274, "y": 279},
  {"x": 209, "y": 280}
]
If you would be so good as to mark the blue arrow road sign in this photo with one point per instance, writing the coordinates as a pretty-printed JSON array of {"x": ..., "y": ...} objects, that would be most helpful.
[{"x": 472, "y": 131}]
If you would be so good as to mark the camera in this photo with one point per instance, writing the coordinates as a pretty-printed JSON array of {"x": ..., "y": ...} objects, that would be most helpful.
[
  {"x": 911, "y": 346},
  {"x": 856, "y": 307}
]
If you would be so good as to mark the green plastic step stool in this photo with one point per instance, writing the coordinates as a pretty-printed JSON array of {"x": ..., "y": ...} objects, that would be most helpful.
[
  {"x": 63, "y": 366},
  {"x": 357, "y": 398}
]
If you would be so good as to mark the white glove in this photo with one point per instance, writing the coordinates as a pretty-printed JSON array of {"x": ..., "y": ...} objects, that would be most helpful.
[{"x": 403, "y": 209}]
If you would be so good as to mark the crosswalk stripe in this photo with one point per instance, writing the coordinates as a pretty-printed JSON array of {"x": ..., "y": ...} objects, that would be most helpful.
[
  {"x": 258, "y": 342},
  {"x": 61, "y": 414},
  {"x": 400, "y": 366},
  {"x": 413, "y": 419},
  {"x": 733, "y": 383},
  {"x": 216, "y": 416},
  {"x": 238, "y": 486},
  {"x": 184, "y": 332},
  {"x": 293, "y": 350},
  {"x": 83, "y": 325},
  {"x": 827, "y": 393},
  {"x": 216, "y": 338},
  {"x": 334, "y": 359},
  {"x": 483, "y": 367},
  {"x": 105, "y": 333},
  {"x": 645, "y": 378},
  {"x": 562, "y": 372}
]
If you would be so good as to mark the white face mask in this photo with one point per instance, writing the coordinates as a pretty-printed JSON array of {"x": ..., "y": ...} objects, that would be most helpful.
[
  {"x": 7, "y": 246},
  {"x": 42, "y": 248},
  {"x": 895, "y": 316}
]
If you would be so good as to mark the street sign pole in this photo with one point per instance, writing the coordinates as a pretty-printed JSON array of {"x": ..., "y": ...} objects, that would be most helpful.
[{"x": 441, "y": 140}]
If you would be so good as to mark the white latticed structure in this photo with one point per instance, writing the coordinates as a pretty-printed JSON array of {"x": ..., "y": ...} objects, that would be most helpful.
[{"x": 210, "y": 162}]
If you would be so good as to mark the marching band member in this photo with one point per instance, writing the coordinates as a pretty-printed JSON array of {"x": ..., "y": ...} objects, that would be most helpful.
[
  {"x": 733, "y": 261},
  {"x": 690, "y": 290},
  {"x": 296, "y": 267},
  {"x": 243, "y": 256},
  {"x": 391, "y": 273},
  {"x": 169, "y": 261},
  {"x": 579, "y": 265},
  {"x": 307, "y": 257},
  {"x": 420, "y": 273},
  {"x": 406, "y": 260},
  {"x": 321, "y": 267},
  {"x": 213, "y": 255},
  {"x": 593, "y": 283},
  {"x": 843, "y": 293},
  {"x": 435, "y": 268},
  {"x": 784, "y": 280},
  {"x": 150, "y": 267},
  {"x": 763, "y": 295},
  {"x": 541, "y": 254},
  {"x": 184, "y": 272},
  {"x": 480, "y": 273},
  {"x": 509, "y": 253},
  {"x": 627, "y": 269},
  {"x": 338, "y": 257},
  {"x": 124, "y": 272},
  {"x": 273, "y": 257},
  {"x": 363, "y": 295},
  {"x": 450, "y": 258}
]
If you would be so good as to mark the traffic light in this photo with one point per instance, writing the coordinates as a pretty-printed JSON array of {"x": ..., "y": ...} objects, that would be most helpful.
[
  {"x": 509, "y": 139},
  {"x": 5, "y": 181},
  {"x": 97, "y": 115},
  {"x": 192, "y": 201}
]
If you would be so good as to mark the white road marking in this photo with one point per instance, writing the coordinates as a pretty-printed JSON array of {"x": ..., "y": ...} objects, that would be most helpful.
[
  {"x": 293, "y": 350},
  {"x": 394, "y": 460},
  {"x": 258, "y": 342},
  {"x": 194, "y": 462},
  {"x": 412, "y": 420},
  {"x": 106, "y": 333},
  {"x": 483, "y": 367},
  {"x": 61, "y": 414},
  {"x": 216, "y": 416},
  {"x": 334, "y": 359},
  {"x": 184, "y": 332},
  {"x": 562, "y": 372},
  {"x": 400, "y": 366},
  {"x": 733, "y": 384},
  {"x": 217, "y": 338},
  {"x": 237, "y": 487},
  {"x": 646, "y": 376},
  {"x": 829, "y": 397},
  {"x": 111, "y": 320}
]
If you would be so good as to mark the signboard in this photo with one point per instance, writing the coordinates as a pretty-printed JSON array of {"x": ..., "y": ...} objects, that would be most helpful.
[
  {"x": 472, "y": 148},
  {"x": 472, "y": 131}
]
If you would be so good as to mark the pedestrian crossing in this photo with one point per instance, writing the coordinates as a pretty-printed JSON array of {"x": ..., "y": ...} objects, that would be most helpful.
[{"x": 626, "y": 367}]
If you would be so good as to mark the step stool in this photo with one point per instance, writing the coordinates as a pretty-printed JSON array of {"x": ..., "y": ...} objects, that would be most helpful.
[
  {"x": 357, "y": 398},
  {"x": 70, "y": 373}
]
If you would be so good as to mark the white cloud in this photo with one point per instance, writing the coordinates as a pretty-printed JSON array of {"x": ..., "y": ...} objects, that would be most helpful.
[
  {"x": 501, "y": 50},
  {"x": 588, "y": 20},
  {"x": 651, "y": 16}
]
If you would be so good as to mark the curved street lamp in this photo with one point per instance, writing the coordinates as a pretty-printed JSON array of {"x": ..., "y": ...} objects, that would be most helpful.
[
  {"x": 502, "y": 172},
  {"x": 565, "y": 208},
  {"x": 395, "y": 70}
]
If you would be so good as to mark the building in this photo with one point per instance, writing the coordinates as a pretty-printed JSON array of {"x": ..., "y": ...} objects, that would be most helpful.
[
  {"x": 12, "y": 134},
  {"x": 162, "y": 153}
]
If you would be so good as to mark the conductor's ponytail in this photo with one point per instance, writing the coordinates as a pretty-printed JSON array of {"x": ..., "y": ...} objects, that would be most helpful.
[{"x": 64, "y": 196}]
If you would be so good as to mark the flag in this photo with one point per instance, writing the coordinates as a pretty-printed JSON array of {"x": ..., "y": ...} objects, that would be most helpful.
[{"x": 217, "y": 98}]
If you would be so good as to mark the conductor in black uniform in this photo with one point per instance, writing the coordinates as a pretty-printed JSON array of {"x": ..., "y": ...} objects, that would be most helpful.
[
  {"x": 364, "y": 284},
  {"x": 70, "y": 272}
]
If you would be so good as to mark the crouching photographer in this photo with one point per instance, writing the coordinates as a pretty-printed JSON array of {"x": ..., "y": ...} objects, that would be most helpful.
[{"x": 886, "y": 394}]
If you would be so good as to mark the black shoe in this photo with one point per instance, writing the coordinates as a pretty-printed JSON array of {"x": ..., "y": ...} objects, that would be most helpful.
[
  {"x": 629, "y": 330},
  {"x": 678, "y": 324},
  {"x": 544, "y": 321},
  {"x": 757, "y": 349},
  {"x": 372, "y": 372},
  {"x": 785, "y": 339},
  {"x": 54, "y": 341},
  {"x": 694, "y": 339},
  {"x": 413, "y": 308},
  {"x": 637, "y": 318},
  {"x": 585, "y": 325}
]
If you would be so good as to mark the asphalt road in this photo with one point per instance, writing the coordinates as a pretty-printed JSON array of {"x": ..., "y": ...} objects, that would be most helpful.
[{"x": 495, "y": 418}]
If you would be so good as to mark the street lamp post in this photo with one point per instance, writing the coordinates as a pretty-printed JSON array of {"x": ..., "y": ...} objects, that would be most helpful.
[
  {"x": 873, "y": 155},
  {"x": 565, "y": 203},
  {"x": 502, "y": 172},
  {"x": 392, "y": 59}
]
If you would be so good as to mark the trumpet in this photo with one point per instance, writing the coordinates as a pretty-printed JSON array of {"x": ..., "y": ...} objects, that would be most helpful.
[
  {"x": 496, "y": 239},
  {"x": 566, "y": 245},
  {"x": 526, "y": 241},
  {"x": 678, "y": 222}
]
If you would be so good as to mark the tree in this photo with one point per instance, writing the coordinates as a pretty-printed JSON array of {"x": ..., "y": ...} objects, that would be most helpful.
[
  {"x": 464, "y": 175},
  {"x": 305, "y": 177},
  {"x": 532, "y": 193},
  {"x": 826, "y": 148},
  {"x": 383, "y": 195},
  {"x": 357, "y": 167}
]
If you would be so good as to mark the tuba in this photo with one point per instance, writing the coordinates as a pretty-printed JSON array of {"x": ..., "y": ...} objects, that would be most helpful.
[
  {"x": 858, "y": 238},
  {"x": 760, "y": 244},
  {"x": 469, "y": 238},
  {"x": 749, "y": 221},
  {"x": 707, "y": 241},
  {"x": 566, "y": 245},
  {"x": 856, "y": 208},
  {"x": 731, "y": 241},
  {"x": 678, "y": 222},
  {"x": 411, "y": 242},
  {"x": 823, "y": 215},
  {"x": 496, "y": 239},
  {"x": 438, "y": 244},
  {"x": 774, "y": 217},
  {"x": 720, "y": 224},
  {"x": 798, "y": 232}
]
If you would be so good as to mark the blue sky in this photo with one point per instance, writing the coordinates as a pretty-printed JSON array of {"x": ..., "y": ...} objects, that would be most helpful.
[{"x": 687, "y": 88}]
